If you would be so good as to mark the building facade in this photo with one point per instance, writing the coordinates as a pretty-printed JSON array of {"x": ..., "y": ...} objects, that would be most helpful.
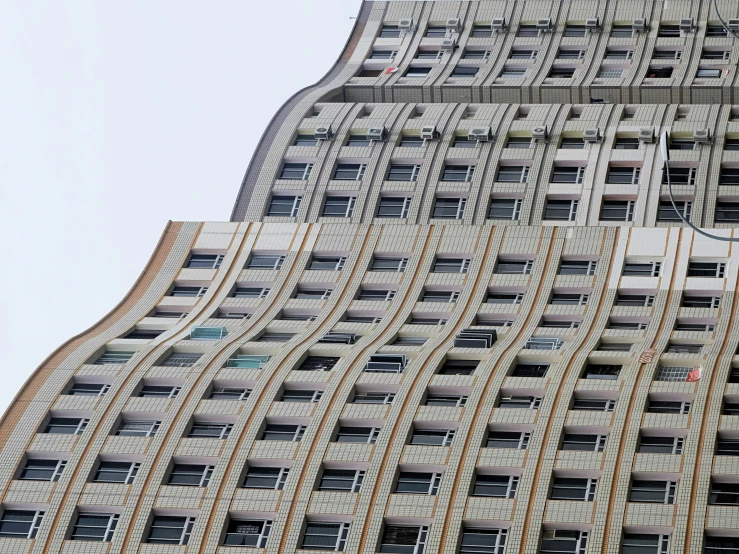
[{"x": 454, "y": 311}]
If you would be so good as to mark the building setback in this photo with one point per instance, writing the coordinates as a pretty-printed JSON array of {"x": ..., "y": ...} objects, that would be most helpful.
[{"x": 454, "y": 311}]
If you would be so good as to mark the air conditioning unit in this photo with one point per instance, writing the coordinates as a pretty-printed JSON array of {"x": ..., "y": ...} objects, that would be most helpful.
[
  {"x": 480, "y": 134},
  {"x": 646, "y": 135},
  {"x": 429, "y": 132},
  {"x": 498, "y": 24},
  {"x": 376, "y": 133},
  {"x": 687, "y": 25},
  {"x": 405, "y": 25},
  {"x": 539, "y": 132},
  {"x": 639, "y": 25},
  {"x": 544, "y": 24},
  {"x": 591, "y": 135},
  {"x": 454, "y": 24},
  {"x": 592, "y": 24},
  {"x": 448, "y": 45},
  {"x": 702, "y": 136},
  {"x": 323, "y": 133},
  {"x": 733, "y": 24}
]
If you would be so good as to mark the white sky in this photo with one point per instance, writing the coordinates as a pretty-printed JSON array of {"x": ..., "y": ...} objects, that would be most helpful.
[{"x": 118, "y": 116}]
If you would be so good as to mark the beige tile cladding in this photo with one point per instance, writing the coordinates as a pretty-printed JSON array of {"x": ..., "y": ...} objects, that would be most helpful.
[{"x": 454, "y": 105}]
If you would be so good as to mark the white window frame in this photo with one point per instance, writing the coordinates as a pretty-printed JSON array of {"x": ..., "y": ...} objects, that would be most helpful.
[
  {"x": 341, "y": 536},
  {"x": 515, "y": 215},
  {"x": 404, "y": 210},
  {"x": 423, "y": 531},
  {"x": 186, "y": 530},
  {"x": 295, "y": 207},
  {"x": 461, "y": 203},
  {"x": 280, "y": 480}
]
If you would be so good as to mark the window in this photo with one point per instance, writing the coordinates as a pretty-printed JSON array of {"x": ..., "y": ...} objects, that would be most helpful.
[
  {"x": 544, "y": 343},
  {"x": 284, "y": 206},
  {"x": 170, "y": 529},
  {"x": 618, "y": 54},
  {"x": 296, "y": 171},
  {"x": 465, "y": 71},
  {"x": 298, "y": 395},
  {"x": 192, "y": 292},
  {"x": 250, "y": 292},
  {"x": 572, "y": 143},
  {"x": 593, "y": 404},
  {"x": 482, "y": 30},
  {"x": 574, "y": 30},
  {"x": 137, "y": 428},
  {"x": 706, "y": 269},
  {"x": 681, "y": 176},
  {"x": 411, "y": 141},
  {"x": 145, "y": 334},
  {"x": 439, "y": 296},
  {"x": 691, "y": 326},
  {"x": 449, "y": 208},
  {"x": 727, "y": 212},
  {"x": 363, "y": 435},
  {"x": 388, "y": 265},
  {"x": 451, "y": 265},
  {"x": 254, "y": 533},
  {"x": 721, "y": 545},
  {"x": 20, "y": 524},
  {"x": 527, "y": 31},
  {"x": 530, "y": 370},
  {"x": 265, "y": 262},
  {"x": 724, "y": 493},
  {"x": 205, "y": 430},
  {"x": 460, "y": 173},
  {"x": 88, "y": 389},
  {"x": 432, "y": 437},
  {"x": 621, "y": 31},
  {"x": 668, "y": 30},
  {"x": 520, "y": 142},
  {"x": 247, "y": 361},
  {"x": 204, "y": 261},
  {"x": 705, "y": 72},
  {"x": 651, "y": 444},
  {"x": 42, "y": 470},
  {"x": 418, "y": 483},
  {"x": 634, "y": 300},
  {"x": 627, "y": 143},
  {"x": 643, "y": 269},
  {"x": 181, "y": 359},
  {"x": 463, "y": 141},
  {"x": 383, "y": 54},
  {"x": 569, "y": 299},
  {"x": 639, "y": 543},
  {"x": 327, "y": 263},
  {"x": 568, "y": 488},
  {"x": 482, "y": 541},
  {"x": 312, "y": 294},
  {"x": 389, "y": 31},
  {"x": 113, "y": 358},
  {"x": 557, "y": 541},
  {"x": 94, "y": 527},
  {"x": 66, "y": 425},
  {"x": 351, "y": 172},
  {"x": 505, "y": 208},
  {"x": 731, "y": 144},
  {"x": 567, "y": 174},
  {"x": 560, "y": 210},
  {"x": 561, "y": 73},
  {"x": 727, "y": 446},
  {"x": 681, "y": 143},
  {"x": 116, "y": 472},
  {"x": 660, "y": 72},
  {"x": 373, "y": 398},
  {"x": 449, "y": 400},
  {"x": 190, "y": 475},
  {"x": 435, "y": 31},
  {"x": 601, "y": 371},
  {"x": 508, "y": 439},
  {"x": 159, "y": 391},
  {"x": 617, "y": 210},
  {"x": 520, "y": 402},
  {"x": 727, "y": 176},
  {"x": 394, "y": 206},
  {"x": 401, "y": 539},
  {"x": 272, "y": 478},
  {"x": 666, "y": 211},
  {"x": 320, "y": 535},
  {"x": 570, "y": 54},
  {"x": 305, "y": 140},
  {"x": 277, "y": 432},
  {"x": 403, "y": 172},
  {"x": 471, "y": 54},
  {"x": 668, "y": 407},
  {"x": 513, "y": 174},
  {"x": 716, "y": 30},
  {"x": 615, "y": 346},
  {"x": 730, "y": 408},
  {"x": 458, "y": 367},
  {"x": 701, "y": 301},
  {"x": 415, "y": 71},
  {"x": 662, "y": 492},
  {"x": 347, "y": 480},
  {"x": 501, "y": 486},
  {"x": 523, "y": 54},
  {"x": 338, "y": 206},
  {"x": 514, "y": 267},
  {"x": 577, "y": 267},
  {"x": 589, "y": 443},
  {"x": 623, "y": 175},
  {"x": 512, "y": 73}
]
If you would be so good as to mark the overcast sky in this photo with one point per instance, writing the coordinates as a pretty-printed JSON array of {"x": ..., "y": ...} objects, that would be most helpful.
[{"x": 116, "y": 117}]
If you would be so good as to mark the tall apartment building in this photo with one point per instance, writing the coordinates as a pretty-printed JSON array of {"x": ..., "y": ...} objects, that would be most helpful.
[{"x": 453, "y": 311}]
